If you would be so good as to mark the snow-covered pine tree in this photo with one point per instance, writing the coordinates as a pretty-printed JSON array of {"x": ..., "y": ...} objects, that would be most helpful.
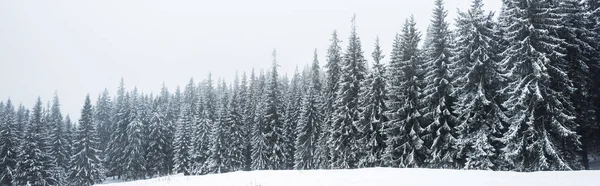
[
  {"x": 440, "y": 121},
  {"x": 292, "y": 117},
  {"x": 309, "y": 127},
  {"x": 272, "y": 127},
  {"x": 373, "y": 97},
  {"x": 247, "y": 107},
  {"x": 477, "y": 81},
  {"x": 334, "y": 60},
  {"x": 103, "y": 116},
  {"x": 174, "y": 111},
  {"x": 85, "y": 166},
  {"x": 260, "y": 150},
  {"x": 58, "y": 141},
  {"x": 405, "y": 144},
  {"x": 157, "y": 141},
  {"x": 343, "y": 142},
  {"x": 135, "y": 162},
  {"x": 207, "y": 116},
  {"x": 582, "y": 57},
  {"x": 218, "y": 161},
  {"x": 541, "y": 133},
  {"x": 35, "y": 164},
  {"x": 9, "y": 145},
  {"x": 236, "y": 130},
  {"x": 182, "y": 143},
  {"x": 115, "y": 157}
]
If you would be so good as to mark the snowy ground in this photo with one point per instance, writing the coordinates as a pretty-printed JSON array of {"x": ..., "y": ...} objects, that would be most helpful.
[{"x": 377, "y": 177}]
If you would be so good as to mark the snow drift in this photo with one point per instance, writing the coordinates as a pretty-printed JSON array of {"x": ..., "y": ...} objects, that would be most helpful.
[{"x": 376, "y": 177}]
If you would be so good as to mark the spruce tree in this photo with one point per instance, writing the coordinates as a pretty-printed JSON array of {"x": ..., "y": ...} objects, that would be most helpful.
[
  {"x": 115, "y": 157},
  {"x": 182, "y": 143},
  {"x": 343, "y": 142},
  {"x": 405, "y": 143},
  {"x": 477, "y": 81},
  {"x": 260, "y": 150},
  {"x": 440, "y": 121},
  {"x": 9, "y": 145},
  {"x": 236, "y": 130},
  {"x": 372, "y": 114},
  {"x": 85, "y": 166},
  {"x": 58, "y": 139},
  {"x": 311, "y": 121},
  {"x": 103, "y": 115},
  {"x": 581, "y": 55},
  {"x": 207, "y": 116},
  {"x": 135, "y": 162},
  {"x": 333, "y": 65},
  {"x": 157, "y": 144},
  {"x": 292, "y": 118},
  {"x": 218, "y": 161},
  {"x": 272, "y": 127},
  {"x": 35, "y": 163},
  {"x": 541, "y": 133}
]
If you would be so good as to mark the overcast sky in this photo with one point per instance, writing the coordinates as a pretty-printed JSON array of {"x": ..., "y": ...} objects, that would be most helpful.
[{"x": 77, "y": 47}]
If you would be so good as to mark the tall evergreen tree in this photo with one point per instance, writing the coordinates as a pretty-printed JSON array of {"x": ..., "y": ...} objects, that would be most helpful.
[
  {"x": 311, "y": 121},
  {"x": 9, "y": 145},
  {"x": 115, "y": 151},
  {"x": 35, "y": 164},
  {"x": 372, "y": 114},
  {"x": 334, "y": 60},
  {"x": 58, "y": 138},
  {"x": 219, "y": 160},
  {"x": 273, "y": 128},
  {"x": 541, "y": 133},
  {"x": 260, "y": 150},
  {"x": 103, "y": 115},
  {"x": 292, "y": 117},
  {"x": 207, "y": 116},
  {"x": 405, "y": 143},
  {"x": 343, "y": 142},
  {"x": 236, "y": 130},
  {"x": 441, "y": 135},
  {"x": 158, "y": 145},
  {"x": 477, "y": 84},
  {"x": 135, "y": 162},
  {"x": 582, "y": 56},
  {"x": 85, "y": 165}
]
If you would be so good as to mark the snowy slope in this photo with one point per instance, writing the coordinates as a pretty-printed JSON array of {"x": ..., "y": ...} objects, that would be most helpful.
[{"x": 377, "y": 177}]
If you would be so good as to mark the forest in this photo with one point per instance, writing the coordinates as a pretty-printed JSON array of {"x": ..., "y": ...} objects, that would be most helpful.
[{"x": 516, "y": 90}]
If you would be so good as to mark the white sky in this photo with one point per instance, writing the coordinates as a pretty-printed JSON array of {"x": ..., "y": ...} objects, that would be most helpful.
[{"x": 82, "y": 46}]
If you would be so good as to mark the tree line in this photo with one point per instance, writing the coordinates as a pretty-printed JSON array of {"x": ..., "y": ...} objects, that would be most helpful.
[{"x": 518, "y": 91}]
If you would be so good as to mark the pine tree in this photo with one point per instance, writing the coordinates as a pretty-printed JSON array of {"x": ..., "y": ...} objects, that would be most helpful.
[
  {"x": 273, "y": 121},
  {"x": 581, "y": 55},
  {"x": 158, "y": 144},
  {"x": 183, "y": 143},
  {"x": 334, "y": 60},
  {"x": 373, "y": 106},
  {"x": 58, "y": 139},
  {"x": 247, "y": 106},
  {"x": 405, "y": 143},
  {"x": 292, "y": 118},
  {"x": 85, "y": 165},
  {"x": 9, "y": 145},
  {"x": 218, "y": 161},
  {"x": 260, "y": 149},
  {"x": 174, "y": 111},
  {"x": 478, "y": 83},
  {"x": 236, "y": 130},
  {"x": 135, "y": 162},
  {"x": 541, "y": 132},
  {"x": 207, "y": 118},
  {"x": 441, "y": 135},
  {"x": 35, "y": 164},
  {"x": 310, "y": 124},
  {"x": 115, "y": 157},
  {"x": 103, "y": 116},
  {"x": 343, "y": 142}
]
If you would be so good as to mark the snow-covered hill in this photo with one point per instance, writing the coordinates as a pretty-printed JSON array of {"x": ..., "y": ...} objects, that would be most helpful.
[{"x": 377, "y": 177}]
